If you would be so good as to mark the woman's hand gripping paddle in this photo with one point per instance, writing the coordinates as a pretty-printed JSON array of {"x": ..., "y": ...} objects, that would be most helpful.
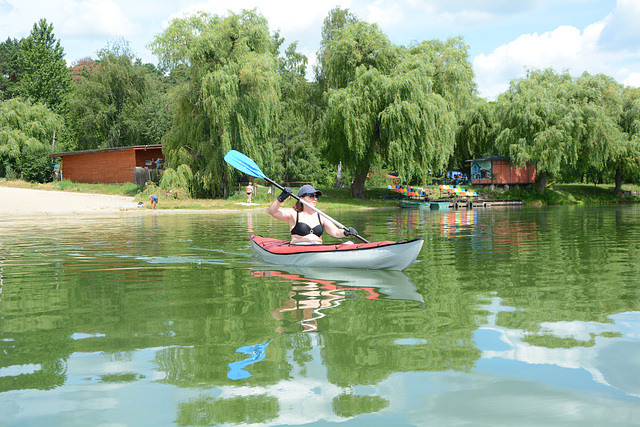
[{"x": 248, "y": 166}]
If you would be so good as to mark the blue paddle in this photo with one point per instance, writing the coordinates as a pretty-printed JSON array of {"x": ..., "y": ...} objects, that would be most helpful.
[{"x": 248, "y": 166}]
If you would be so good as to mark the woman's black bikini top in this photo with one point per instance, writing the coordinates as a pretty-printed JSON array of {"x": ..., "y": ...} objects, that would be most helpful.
[{"x": 302, "y": 229}]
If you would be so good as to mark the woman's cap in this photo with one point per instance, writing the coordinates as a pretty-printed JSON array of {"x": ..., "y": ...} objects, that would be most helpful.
[{"x": 308, "y": 189}]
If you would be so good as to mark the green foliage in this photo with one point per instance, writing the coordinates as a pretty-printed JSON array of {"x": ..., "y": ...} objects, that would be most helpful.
[
  {"x": 335, "y": 20},
  {"x": 177, "y": 179},
  {"x": 384, "y": 103},
  {"x": 537, "y": 122},
  {"x": 450, "y": 70},
  {"x": 230, "y": 99},
  {"x": 564, "y": 194},
  {"x": 354, "y": 45},
  {"x": 25, "y": 133},
  {"x": 601, "y": 141},
  {"x": 120, "y": 102},
  {"x": 297, "y": 159},
  {"x": 223, "y": 83},
  {"x": 572, "y": 128},
  {"x": 350, "y": 405},
  {"x": 477, "y": 131},
  {"x": 10, "y": 174},
  {"x": 10, "y": 70},
  {"x": 35, "y": 165},
  {"x": 253, "y": 409},
  {"x": 627, "y": 160},
  {"x": 45, "y": 77}
]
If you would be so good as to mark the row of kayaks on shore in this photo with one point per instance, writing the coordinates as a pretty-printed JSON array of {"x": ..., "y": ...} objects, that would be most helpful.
[{"x": 385, "y": 255}]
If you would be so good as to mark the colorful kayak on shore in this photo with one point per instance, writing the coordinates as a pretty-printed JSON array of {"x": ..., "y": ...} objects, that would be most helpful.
[{"x": 385, "y": 255}]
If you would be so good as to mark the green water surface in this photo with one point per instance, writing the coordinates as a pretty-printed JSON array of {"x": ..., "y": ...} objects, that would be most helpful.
[{"x": 510, "y": 316}]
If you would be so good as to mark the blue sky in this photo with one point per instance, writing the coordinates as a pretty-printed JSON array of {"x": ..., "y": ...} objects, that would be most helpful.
[{"x": 505, "y": 37}]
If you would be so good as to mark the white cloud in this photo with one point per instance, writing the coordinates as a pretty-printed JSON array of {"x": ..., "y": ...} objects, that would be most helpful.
[
  {"x": 566, "y": 49},
  {"x": 385, "y": 14},
  {"x": 622, "y": 31},
  {"x": 632, "y": 79},
  {"x": 97, "y": 18}
]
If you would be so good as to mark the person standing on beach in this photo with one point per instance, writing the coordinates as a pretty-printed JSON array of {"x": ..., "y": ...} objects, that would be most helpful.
[
  {"x": 249, "y": 192},
  {"x": 154, "y": 201}
]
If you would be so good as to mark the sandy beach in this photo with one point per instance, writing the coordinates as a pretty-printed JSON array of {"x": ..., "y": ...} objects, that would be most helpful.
[
  {"x": 24, "y": 202},
  {"x": 17, "y": 202}
]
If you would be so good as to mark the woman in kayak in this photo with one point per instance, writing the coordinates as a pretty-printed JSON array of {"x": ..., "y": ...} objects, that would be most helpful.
[{"x": 305, "y": 224}]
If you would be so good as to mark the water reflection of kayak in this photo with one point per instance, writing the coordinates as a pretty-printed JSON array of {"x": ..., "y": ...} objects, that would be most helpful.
[
  {"x": 386, "y": 255},
  {"x": 374, "y": 284}
]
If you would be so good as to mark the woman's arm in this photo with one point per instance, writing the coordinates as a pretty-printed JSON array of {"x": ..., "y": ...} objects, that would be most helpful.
[
  {"x": 331, "y": 228},
  {"x": 275, "y": 211}
]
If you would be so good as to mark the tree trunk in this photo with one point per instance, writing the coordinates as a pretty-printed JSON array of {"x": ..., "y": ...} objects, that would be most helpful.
[
  {"x": 542, "y": 182},
  {"x": 357, "y": 188},
  {"x": 338, "y": 176},
  {"x": 616, "y": 190}
]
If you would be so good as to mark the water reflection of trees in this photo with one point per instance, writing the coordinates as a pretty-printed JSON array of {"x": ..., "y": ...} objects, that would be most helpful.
[
  {"x": 236, "y": 410},
  {"x": 549, "y": 268},
  {"x": 359, "y": 319}
]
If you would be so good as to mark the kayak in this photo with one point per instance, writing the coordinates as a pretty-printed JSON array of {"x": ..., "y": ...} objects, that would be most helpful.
[{"x": 385, "y": 255}]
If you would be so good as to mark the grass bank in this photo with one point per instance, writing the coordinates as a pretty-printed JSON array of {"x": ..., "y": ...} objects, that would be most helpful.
[
  {"x": 340, "y": 198},
  {"x": 565, "y": 194}
]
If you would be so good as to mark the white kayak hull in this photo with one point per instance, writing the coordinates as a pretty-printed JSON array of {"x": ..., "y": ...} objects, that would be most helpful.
[{"x": 376, "y": 255}]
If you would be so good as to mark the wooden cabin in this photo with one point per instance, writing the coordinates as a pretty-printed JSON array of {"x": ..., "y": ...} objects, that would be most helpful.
[
  {"x": 109, "y": 165},
  {"x": 497, "y": 170}
]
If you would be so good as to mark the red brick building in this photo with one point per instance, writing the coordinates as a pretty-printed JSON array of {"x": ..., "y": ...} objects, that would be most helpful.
[{"x": 109, "y": 165}]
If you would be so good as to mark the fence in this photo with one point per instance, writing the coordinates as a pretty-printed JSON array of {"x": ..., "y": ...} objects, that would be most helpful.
[{"x": 143, "y": 175}]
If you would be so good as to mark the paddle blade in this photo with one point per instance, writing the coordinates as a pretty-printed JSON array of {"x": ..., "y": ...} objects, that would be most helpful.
[{"x": 243, "y": 164}]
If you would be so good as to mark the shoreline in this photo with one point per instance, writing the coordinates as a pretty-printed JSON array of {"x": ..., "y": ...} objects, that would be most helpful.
[
  {"x": 30, "y": 202},
  {"x": 25, "y": 202}
]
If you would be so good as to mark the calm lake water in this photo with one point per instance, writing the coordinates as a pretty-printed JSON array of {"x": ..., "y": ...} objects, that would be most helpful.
[{"x": 510, "y": 316}]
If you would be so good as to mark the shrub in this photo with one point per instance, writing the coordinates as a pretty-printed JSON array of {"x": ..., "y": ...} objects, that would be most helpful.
[
  {"x": 35, "y": 167},
  {"x": 179, "y": 179}
]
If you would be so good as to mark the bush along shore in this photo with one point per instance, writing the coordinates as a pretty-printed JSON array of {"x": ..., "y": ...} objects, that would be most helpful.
[{"x": 340, "y": 198}]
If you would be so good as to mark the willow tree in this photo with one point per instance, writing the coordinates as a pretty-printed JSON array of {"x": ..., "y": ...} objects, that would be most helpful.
[
  {"x": 230, "y": 99},
  {"x": 537, "y": 123},
  {"x": 336, "y": 20},
  {"x": 477, "y": 131},
  {"x": 26, "y": 132},
  {"x": 602, "y": 146},
  {"x": 562, "y": 124},
  {"x": 383, "y": 106},
  {"x": 628, "y": 161}
]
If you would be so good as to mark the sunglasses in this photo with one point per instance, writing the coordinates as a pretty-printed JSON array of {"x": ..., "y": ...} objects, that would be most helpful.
[{"x": 312, "y": 196}]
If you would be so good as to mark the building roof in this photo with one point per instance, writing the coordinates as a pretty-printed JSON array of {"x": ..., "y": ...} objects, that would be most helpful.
[
  {"x": 106, "y": 150},
  {"x": 486, "y": 159}
]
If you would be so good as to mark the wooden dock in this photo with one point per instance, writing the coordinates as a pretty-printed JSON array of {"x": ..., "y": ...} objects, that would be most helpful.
[{"x": 457, "y": 204}]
